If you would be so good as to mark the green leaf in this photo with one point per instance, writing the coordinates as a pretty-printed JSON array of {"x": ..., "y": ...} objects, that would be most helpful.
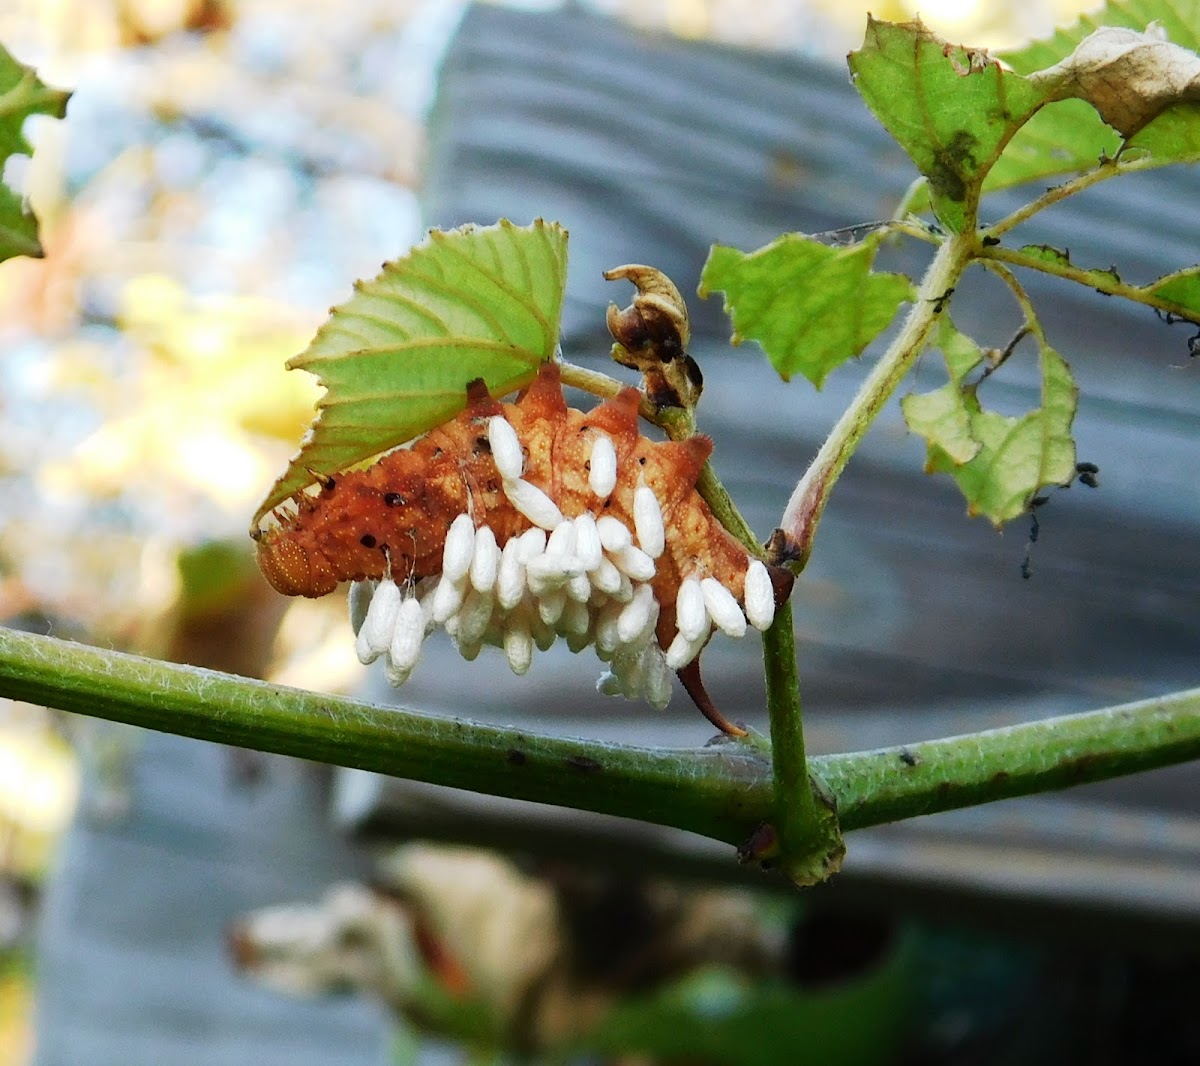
[
  {"x": 1069, "y": 136},
  {"x": 21, "y": 95},
  {"x": 1000, "y": 462},
  {"x": 1181, "y": 288},
  {"x": 395, "y": 359},
  {"x": 951, "y": 109},
  {"x": 1173, "y": 137},
  {"x": 811, "y": 307}
]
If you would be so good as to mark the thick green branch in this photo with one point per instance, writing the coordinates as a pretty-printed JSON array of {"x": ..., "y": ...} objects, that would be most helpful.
[
  {"x": 719, "y": 791},
  {"x": 722, "y": 791}
]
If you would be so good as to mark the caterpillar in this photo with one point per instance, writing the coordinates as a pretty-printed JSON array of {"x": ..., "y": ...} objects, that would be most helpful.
[{"x": 515, "y": 523}]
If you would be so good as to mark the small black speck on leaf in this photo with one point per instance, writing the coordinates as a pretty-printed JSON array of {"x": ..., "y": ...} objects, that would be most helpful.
[{"x": 583, "y": 764}]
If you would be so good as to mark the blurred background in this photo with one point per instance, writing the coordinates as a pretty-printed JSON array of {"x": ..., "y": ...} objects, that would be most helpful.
[{"x": 227, "y": 168}]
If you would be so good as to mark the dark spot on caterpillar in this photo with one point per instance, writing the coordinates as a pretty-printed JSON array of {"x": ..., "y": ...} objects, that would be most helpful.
[
  {"x": 394, "y": 499},
  {"x": 583, "y": 764},
  {"x": 483, "y": 446},
  {"x": 641, "y": 460},
  {"x": 438, "y": 453},
  {"x": 515, "y": 756},
  {"x": 367, "y": 541},
  {"x": 493, "y": 485}
]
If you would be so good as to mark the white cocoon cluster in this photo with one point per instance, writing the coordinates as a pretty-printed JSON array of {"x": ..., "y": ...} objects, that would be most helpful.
[{"x": 586, "y": 579}]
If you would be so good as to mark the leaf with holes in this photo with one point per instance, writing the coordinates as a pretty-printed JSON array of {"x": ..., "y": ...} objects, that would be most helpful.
[
  {"x": 941, "y": 417},
  {"x": 395, "y": 359},
  {"x": 999, "y": 461},
  {"x": 21, "y": 95},
  {"x": 950, "y": 108},
  {"x": 1058, "y": 260},
  {"x": 811, "y": 307}
]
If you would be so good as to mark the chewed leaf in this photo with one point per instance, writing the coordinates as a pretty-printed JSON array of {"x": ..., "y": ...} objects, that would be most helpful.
[
  {"x": 811, "y": 307},
  {"x": 1000, "y": 462},
  {"x": 21, "y": 95},
  {"x": 1061, "y": 259},
  {"x": 395, "y": 359},
  {"x": 951, "y": 109},
  {"x": 942, "y": 416},
  {"x": 1177, "y": 293}
]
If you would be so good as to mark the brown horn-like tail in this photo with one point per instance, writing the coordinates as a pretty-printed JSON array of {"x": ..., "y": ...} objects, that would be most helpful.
[{"x": 690, "y": 678}]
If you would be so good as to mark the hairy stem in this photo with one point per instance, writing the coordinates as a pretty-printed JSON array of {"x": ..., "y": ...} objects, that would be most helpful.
[
  {"x": 1109, "y": 168},
  {"x": 807, "y": 504},
  {"x": 722, "y": 791},
  {"x": 1101, "y": 280},
  {"x": 719, "y": 791}
]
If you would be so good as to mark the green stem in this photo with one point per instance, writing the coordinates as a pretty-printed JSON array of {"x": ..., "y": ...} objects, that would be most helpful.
[
  {"x": 794, "y": 802},
  {"x": 806, "y": 833},
  {"x": 807, "y": 504},
  {"x": 1110, "y": 168},
  {"x": 719, "y": 791},
  {"x": 1103, "y": 281},
  {"x": 903, "y": 782},
  {"x": 722, "y": 791}
]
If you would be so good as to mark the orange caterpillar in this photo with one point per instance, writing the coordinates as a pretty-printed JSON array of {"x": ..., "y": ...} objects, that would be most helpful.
[{"x": 565, "y": 534}]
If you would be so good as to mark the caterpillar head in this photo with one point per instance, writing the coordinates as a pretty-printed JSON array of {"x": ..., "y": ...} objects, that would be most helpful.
[{"x": 361, "y": 528}]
